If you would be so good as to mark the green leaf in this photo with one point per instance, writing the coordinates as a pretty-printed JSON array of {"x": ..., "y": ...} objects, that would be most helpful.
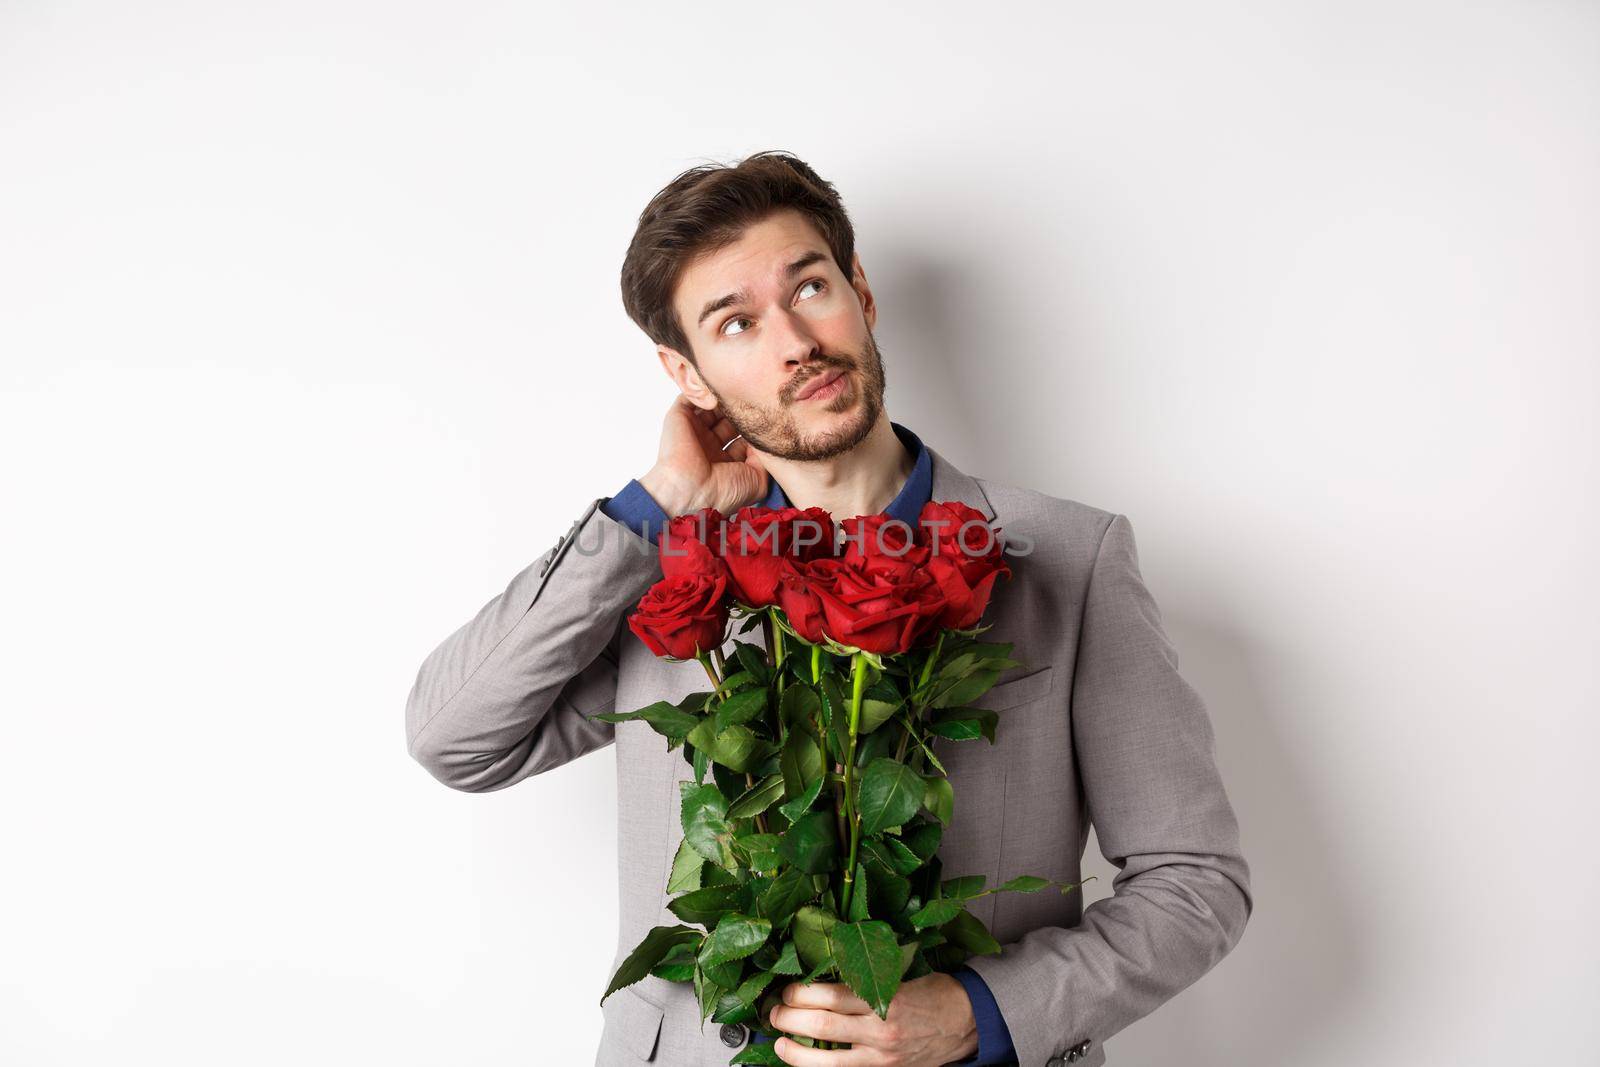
[
  {"x": 664, "y": 718},
  {"x": 788, "y": 960},
  {"x": 678, "y": 965},
  {"x": 705, "y": 823},
  {"x": 706, "y": 992},
  {"x": 741, "y": 707},
  {"x": 757, "y": 798},
  {"x": 937, "y": 912},
  {"x": 892, "y": 853},
  {"x": 735, "y": 937},
  {"x": 1025, "y": 883},
  {"x": 752, "y": 987},
  {"x": 716, "y": 874},
  {"x": 800, "y": 704},
  {"x": 686, "y": 866},
  {"x": 966, "y": 690},
  {"x": 891, "y": 894},
  {"x": 939, "y": 798},
  {"x": 792, "y": 810},
  {"x": 968, "y": 931},
  {"x": 737, "y": 747},
  {"x": 908, "y": 956},
  {"x": 869, "y": 960},
  {"x": 758, "y": 1052},
  {"x": 800, "y": 761},
  {"x": 705, "y": 907},
  {"x": 873, "y": 745},
  {"x": 788, "y": 891},
  {"x": 923, "y": 840},
  {"x": 811, "y": 843},
  {"x": 758, "y": 851},
  {"x": 836, "y": 713},
  {"x": 956, "y": 668},
  {"x": 965, "y": 724},
  {"x": 859, "y": 902},
  {"x": 965, "y": 888},
  {"x": 754, "y": 660},
  {"x": 874, "y": 713},
  {"x": 738, "y": 680},
  {"x": 652, "y": 950},
  {"x": 699, "y": 702},
  {"x": 890, "y": 794},
  {"x": 813, "y": 936}
]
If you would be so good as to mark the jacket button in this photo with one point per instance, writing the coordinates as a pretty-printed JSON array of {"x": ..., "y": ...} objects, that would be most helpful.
[
  {"x": 732, "y": 1035},
  {"x": 1083, "y": 1047},
  {"x": 1054, "y": 1061}
]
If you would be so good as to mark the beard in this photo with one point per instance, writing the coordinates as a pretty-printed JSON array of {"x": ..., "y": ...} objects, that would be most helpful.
[{"x": 780, "y": 432}]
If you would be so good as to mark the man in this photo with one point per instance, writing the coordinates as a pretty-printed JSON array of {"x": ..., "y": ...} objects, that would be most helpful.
[{"x": 739, "y": 275}]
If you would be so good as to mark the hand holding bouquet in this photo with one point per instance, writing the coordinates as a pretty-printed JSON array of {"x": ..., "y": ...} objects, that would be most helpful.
[{"x": 812, "y": 850}]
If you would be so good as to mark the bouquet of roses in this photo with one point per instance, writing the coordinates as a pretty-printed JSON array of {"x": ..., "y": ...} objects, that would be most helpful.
[{"x": 812, "y": 850}]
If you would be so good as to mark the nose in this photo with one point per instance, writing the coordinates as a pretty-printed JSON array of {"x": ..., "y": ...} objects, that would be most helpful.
[{"x": 791, "y": 339}]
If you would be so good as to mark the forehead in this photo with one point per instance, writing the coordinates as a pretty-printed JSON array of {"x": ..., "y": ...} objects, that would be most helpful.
[{"x": 756, "y": 259}]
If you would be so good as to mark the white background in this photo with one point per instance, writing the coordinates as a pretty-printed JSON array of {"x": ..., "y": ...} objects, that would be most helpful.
[{"x": 312, "y": 339}]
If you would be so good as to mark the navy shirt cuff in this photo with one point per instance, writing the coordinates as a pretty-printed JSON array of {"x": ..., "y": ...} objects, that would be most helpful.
[
  {"x": 994, "y": 1037},
  {"x": 636, "y": 509}
]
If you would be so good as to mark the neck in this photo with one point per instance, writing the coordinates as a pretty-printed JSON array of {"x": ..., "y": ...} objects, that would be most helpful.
[{"x": 862, "y": 481}]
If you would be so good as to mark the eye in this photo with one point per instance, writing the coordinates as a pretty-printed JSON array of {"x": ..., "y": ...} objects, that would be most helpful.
[
  {"x": 730, "y": 322},
  {"x": 817, "y": 282}
]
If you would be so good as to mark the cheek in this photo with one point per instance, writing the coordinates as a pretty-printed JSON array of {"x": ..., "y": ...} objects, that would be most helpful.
[{"x": 840, "y": 323}]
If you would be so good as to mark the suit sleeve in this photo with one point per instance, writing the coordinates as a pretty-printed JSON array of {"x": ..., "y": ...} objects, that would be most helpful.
[
  {"x": 510, "y": 693},
  {"x": 1145, "y": 753}
]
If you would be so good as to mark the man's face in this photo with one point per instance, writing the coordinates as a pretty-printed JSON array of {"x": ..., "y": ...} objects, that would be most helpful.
[{"x": 768, "y": 316}]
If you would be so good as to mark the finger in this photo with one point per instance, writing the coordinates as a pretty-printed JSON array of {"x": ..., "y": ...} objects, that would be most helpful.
[
  {"x": 723, "y": 430},
  {"x": 824, "y": 1025},
  {"x": 834, "y": 996},
  {"x": 797, "y": 1055}
]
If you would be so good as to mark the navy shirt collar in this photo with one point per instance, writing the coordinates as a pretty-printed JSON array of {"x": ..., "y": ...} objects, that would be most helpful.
[{"x": 907, "y": 505}]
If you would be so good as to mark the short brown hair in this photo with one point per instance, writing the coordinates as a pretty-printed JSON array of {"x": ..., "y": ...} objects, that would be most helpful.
[{"x": 706, "y": 208}]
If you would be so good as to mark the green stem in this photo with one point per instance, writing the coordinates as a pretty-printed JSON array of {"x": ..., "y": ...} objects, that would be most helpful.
[
  {"x": 822, "y": 736},
  {"x": 705, "y": 661},
  {"x": 771, "y": 630},
  {"x": 916, "y": 706},
  {"x": 853, "y": 816}
]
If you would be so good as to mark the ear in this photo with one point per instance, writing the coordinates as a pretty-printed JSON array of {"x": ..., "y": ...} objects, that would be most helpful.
[
  {"x": 858, "y": 281},
  {"x": 686, "y": 377}
]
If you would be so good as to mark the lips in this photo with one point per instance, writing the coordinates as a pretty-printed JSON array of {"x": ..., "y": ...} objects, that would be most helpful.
[{"x": 819, "y": 382}]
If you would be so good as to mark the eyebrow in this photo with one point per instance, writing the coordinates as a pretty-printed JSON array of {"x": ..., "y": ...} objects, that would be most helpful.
[{"x": 714, "y": 306}]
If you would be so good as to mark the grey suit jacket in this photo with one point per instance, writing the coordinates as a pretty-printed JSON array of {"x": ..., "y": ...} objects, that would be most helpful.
[{"x": 1098, "y": 726}]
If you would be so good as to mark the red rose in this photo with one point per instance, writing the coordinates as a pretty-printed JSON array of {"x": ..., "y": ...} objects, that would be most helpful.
[
  {"x": 759, "y": 540},
  {"x": 873, "y": 539},
  {"x": 682, "y": 616},
  {"x": 800, "y": 603},
  {"x": 876, "y": 605},
  {"x": 966, "y": 558},
  {"x": 692, "y": 544}
]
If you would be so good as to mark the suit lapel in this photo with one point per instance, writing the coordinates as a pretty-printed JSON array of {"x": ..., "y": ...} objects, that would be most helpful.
[{"x": 950, "y": 483}]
